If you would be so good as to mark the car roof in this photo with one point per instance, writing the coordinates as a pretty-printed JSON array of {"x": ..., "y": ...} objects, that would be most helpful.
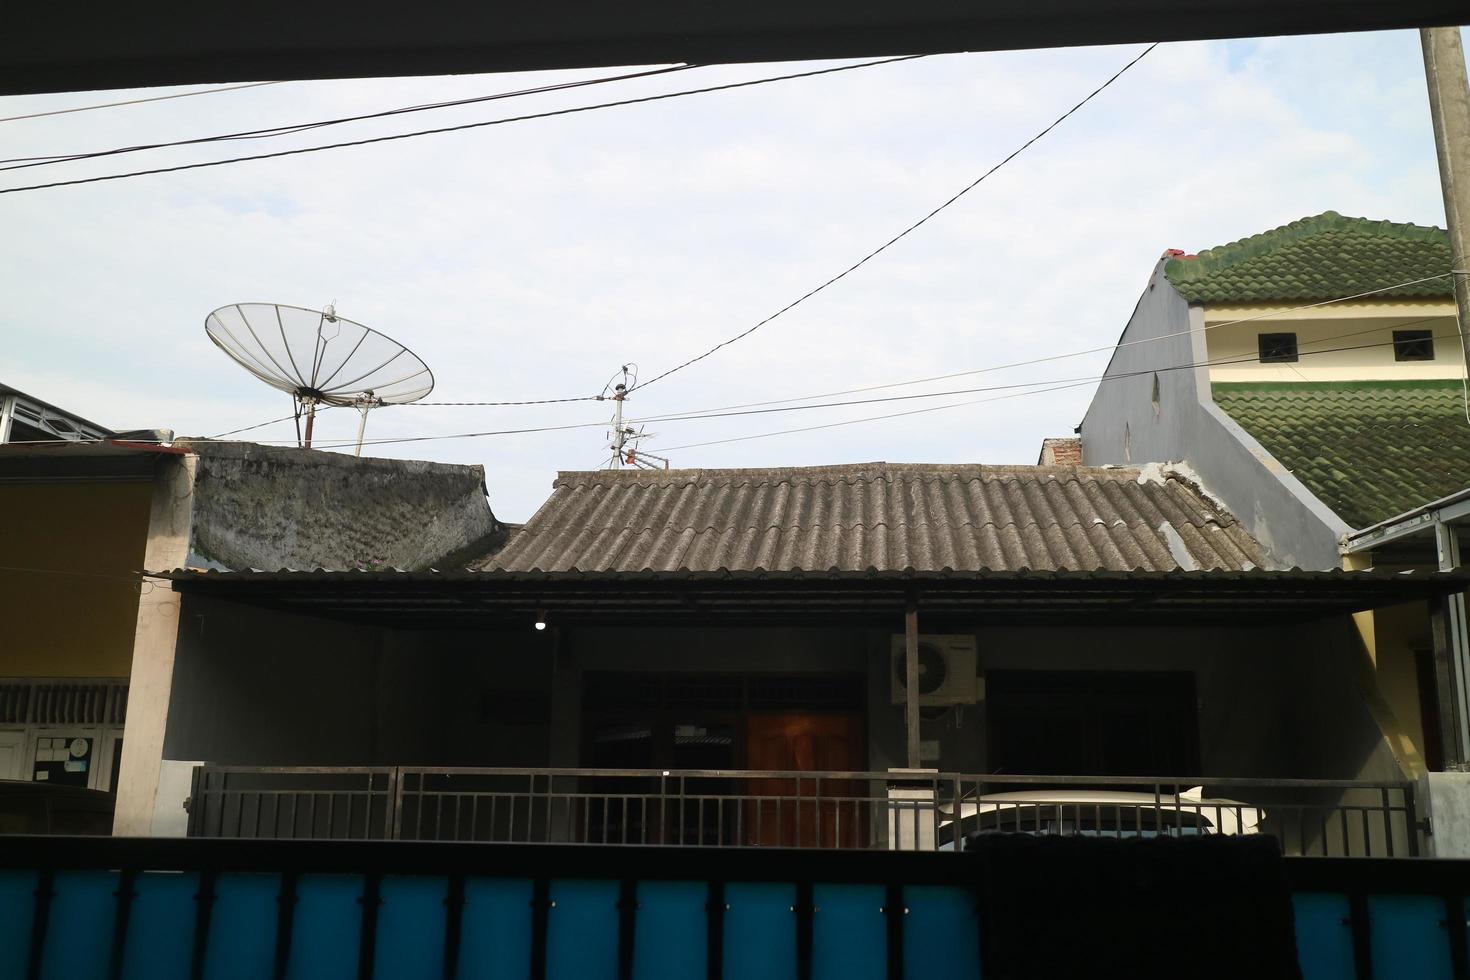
[{"x": 1099, "y": 796}]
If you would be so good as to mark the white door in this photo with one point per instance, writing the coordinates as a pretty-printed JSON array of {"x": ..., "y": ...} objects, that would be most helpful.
[{"x": 12, "y": 755}]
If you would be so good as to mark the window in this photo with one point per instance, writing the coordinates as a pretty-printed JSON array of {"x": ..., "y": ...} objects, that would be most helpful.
[
  {"x": 1086, "y": 723},
  {"x": 1277, "y": 348},
  {"x": 1413, "y": 345}
]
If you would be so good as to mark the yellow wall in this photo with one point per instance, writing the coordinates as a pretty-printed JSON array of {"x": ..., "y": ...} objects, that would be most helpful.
[
  {"x": 70, "y": 625},
  {"x": 1326, "y": 328},
  {"x": 1399, "y": 632}
]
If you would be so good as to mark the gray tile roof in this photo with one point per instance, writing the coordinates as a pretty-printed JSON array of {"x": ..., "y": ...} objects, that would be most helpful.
[{"x": 879, "y": 515}]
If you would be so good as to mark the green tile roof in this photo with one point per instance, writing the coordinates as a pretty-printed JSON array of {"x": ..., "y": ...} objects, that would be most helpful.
[
  {"x": 1322, "y": 257},
  {"x": 1369, "y": 450}
]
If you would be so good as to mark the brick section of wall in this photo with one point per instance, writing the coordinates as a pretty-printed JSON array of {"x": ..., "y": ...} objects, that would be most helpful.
[{"x": 1061, "y": 452}]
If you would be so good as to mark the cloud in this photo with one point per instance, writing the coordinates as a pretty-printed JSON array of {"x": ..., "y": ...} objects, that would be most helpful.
[{"x": 531, "y": 260}]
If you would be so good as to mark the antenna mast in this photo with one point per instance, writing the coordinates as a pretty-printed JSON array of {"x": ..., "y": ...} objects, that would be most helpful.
[
  {"x": 623, "y": 439},
  {"x": 619, "y": 433}
]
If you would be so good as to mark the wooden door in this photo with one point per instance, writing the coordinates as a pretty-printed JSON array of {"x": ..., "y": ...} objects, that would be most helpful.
[{"x": 806, "y": 812}]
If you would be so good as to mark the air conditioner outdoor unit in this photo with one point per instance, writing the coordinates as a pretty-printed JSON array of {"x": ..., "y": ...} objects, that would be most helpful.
[{"x": 946, "y": 669}]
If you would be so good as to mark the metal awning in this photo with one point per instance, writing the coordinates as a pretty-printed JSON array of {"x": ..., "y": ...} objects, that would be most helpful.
[
  {"x": 515, "y": 599},
  {"x": 60, "y": 47},
  {"x": 1418, "y": 536}
]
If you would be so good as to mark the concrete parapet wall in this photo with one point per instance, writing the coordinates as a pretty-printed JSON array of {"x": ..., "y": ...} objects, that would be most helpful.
[{"x": 273, "y": 508}]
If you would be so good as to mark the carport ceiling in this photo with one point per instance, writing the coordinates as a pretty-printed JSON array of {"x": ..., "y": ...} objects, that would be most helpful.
[
  {"x": 63, "y": 47},
  {"x": 516, "y": 599}
]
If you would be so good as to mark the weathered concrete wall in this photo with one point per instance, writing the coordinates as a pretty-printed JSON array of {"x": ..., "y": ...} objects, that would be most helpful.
[
  {"x": 272, "y": 508},
  {"x": 1126, "y": 424},
  {"x": 1444, "y": 798}
]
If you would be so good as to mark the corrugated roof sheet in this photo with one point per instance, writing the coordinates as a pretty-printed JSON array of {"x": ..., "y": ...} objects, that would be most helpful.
[
  {"x": 878, "y": 515},
  {"x": 1322, "y": 257},
  {"x": 1368, "y": 450}
]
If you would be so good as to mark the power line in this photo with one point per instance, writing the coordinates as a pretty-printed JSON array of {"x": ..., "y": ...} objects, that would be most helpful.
[
  {"x": 1093, "y": 350},
  {"x": 534, "y": 401},
  {"x": 896, "y": 238},
  {"x": 133, "y": 580},
  {"x": 21, "y": 163},
  {"x": 736, "y": 409},
  {"x": 1017, "y": 394},
  {"x": 990, "y": 368},
  {"x": 458, "y": 128},
  {"x": 155, "y": 98},
  {"x": 685, "y": 417},
  {"x": 1037, "y": 387},
  {"x": 261, "y": 425}
]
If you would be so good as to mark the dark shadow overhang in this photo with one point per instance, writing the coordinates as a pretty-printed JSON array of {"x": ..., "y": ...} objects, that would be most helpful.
[
  {"x": 86, "y": 461},
  {"x": 515, "y": 599},
  {"x": 60, "y": 47}
]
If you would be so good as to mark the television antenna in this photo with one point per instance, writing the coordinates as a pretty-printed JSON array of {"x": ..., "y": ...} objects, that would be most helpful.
[
  {"x": 319, "y": 358},
  {"x": 623, "y": 439}
]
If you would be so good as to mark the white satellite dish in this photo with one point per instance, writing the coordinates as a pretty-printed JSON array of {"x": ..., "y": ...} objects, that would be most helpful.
[{"x": 319, "y": 358}]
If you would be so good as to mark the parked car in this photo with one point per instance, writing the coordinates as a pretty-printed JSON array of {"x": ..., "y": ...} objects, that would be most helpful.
[
  {"x": 44, "y": 808},
  {"x": 1100, "y": 813}
]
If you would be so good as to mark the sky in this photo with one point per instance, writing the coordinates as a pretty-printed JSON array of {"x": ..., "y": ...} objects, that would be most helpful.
[{"x": 532, "y": 260}]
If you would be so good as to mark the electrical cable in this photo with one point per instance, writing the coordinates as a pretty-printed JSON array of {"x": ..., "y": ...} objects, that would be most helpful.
[
  {"x": 155, "y": 98},
  {"x": 534, "y": 401},
  {"x": 21, "y": 163},
  {"x": 990, "y": 368},
  {"x": 978, "y": 401},
  {"x": 133, "y": 580},
  {"x": 692, "y": 416},
  {"x": 1092, "y": 350},
  {"x": 1464, "y": 349},
  {"x": 261, "y": 425},
  {"x": 1009, "y": 392},
  {"x": 717, "y": 412},
  {"x": 460, "y": 127},
  {"x": 896, "y": 238}
]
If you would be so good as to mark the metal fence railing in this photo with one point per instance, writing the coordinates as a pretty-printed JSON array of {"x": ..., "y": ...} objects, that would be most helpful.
[{"x": 841, "y": 810}]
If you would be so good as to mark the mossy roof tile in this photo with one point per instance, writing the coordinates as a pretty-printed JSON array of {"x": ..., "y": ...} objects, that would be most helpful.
[
  {"x": 1326, "y": 256},
  {"x": 1368, "y": 450}
]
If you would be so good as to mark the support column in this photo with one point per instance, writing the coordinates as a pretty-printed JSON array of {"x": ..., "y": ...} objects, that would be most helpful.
[
  {"x": 1452, "y": 655},
  {"x": 154, "y": 644},
  {"x": 911, "y": 680},
  {"x": 1449, "y": 108}
]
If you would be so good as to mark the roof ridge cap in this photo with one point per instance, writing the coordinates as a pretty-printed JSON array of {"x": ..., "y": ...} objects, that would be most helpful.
[
  {"x": 845, "y": 472},
  {"x": 1216, "y": 258}
]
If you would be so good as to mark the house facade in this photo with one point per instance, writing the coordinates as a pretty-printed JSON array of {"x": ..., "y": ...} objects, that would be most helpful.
[
  {"x": 77, "y": 499},
  {"x": 740, "y": 638},
  {"x": 81, "y": 670},
  {"x": 1313, "y": 377},
  {"x": 1311, "y": 374}
]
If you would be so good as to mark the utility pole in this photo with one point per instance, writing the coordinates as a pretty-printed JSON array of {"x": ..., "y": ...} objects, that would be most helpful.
[
  {"x": 1449, "y": 108},
  {"x": 624, "y": 440}
]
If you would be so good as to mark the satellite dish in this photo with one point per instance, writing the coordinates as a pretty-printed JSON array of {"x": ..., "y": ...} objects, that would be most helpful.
[{"x": 319, "y": 358}]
